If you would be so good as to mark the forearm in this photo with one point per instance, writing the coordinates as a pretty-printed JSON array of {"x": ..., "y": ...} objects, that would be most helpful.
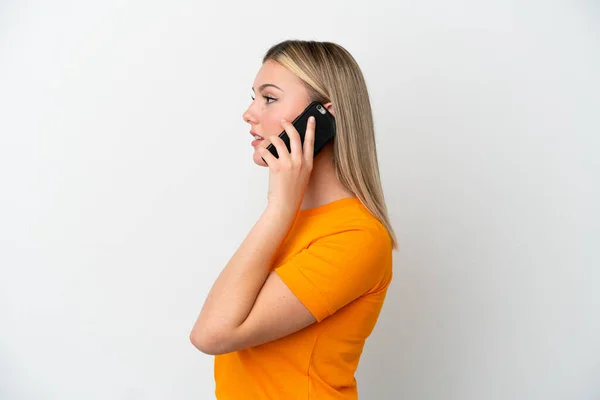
[{"x": 233, "y": 294}]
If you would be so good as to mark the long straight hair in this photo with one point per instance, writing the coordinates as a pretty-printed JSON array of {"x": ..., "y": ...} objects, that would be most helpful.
[{"x": 331, "y": 74}]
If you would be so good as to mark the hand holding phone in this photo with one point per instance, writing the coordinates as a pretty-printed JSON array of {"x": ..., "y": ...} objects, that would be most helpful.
[{"x": 325, "y": 128}]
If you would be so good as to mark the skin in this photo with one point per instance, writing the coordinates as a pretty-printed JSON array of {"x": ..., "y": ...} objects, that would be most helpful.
[
  {"x": 264, "y": 115},
  {"x": 249, "y": 304}
]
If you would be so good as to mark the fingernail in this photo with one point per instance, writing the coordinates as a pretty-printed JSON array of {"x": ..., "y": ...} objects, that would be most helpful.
[
  {"x": 283, "y": 120},
  {"x": 311, "y": 120}
]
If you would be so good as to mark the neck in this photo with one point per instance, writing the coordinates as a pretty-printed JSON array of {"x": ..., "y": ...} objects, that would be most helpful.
[{"x": 323, "y": 186}]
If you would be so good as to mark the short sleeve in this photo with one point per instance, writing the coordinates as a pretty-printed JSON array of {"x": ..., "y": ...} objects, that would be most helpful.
[{"x": 338, "y": 268}]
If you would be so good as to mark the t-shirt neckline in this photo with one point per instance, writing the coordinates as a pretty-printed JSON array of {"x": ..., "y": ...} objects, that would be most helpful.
[{"x": 336, "y": 204}]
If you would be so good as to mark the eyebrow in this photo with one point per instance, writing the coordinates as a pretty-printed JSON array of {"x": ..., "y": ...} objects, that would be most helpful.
[{"x": 267, "y": 85}]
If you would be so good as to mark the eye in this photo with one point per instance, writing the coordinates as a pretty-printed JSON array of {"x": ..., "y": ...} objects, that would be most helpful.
[{"x": 266, "y": 97}]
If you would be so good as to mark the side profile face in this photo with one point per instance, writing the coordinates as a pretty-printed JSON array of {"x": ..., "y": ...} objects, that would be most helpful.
[{"x": 277, "y": 94}]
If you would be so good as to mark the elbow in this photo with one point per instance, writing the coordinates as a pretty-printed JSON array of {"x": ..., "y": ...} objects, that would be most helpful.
[{"x": 208, "y": 342}]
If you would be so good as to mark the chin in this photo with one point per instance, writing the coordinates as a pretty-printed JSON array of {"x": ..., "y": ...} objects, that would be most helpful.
[{"x": 258, "y": 159}]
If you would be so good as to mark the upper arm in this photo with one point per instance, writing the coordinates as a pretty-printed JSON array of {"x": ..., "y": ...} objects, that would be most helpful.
[
  {"x": 276, "y": 313},
  {"x": 337, "y": 269},
  {"x": 313, "y": 284}
]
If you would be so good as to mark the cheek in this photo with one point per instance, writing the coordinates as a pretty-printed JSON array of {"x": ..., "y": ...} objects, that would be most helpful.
[{"x": 273, "y": 126}]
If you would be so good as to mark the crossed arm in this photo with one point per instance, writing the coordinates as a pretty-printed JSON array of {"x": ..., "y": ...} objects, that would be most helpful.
[{"x": 249, "y": 304}]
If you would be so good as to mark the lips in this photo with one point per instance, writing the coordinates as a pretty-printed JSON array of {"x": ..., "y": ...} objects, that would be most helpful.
[{"x": 257, "y": 138}]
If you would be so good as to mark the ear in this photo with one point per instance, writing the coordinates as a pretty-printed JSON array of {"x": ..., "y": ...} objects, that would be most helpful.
[{"x": 329, "y": 107}]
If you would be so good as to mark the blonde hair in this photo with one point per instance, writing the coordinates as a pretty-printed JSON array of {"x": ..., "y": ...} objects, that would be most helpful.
[{"x": 331, "y": 74}]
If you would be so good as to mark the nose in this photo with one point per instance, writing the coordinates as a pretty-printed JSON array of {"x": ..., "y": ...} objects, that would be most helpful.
[{"x": 248, "y": 116}]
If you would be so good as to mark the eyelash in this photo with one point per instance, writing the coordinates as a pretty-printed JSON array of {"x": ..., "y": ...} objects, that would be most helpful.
[{"x": 266, "y": 97}]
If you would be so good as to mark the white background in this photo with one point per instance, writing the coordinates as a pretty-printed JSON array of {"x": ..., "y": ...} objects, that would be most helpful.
[{"x": 127, "y": 183}]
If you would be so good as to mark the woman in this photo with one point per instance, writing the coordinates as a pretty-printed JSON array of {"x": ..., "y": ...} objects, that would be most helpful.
[{"x": 289, "y": 314}]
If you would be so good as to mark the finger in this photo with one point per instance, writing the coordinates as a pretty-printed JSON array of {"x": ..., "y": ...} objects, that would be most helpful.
[
  {"x": 267, "y": 157},
  {"x": 279, "y": 144},
  {"x": 295, "y": 142},
  {"x": 309, "y": 140}
]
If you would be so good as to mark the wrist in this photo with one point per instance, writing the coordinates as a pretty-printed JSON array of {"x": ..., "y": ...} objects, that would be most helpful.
[
  {"x": 279, "y": 213},
  {"x": 281, "y": 207}
]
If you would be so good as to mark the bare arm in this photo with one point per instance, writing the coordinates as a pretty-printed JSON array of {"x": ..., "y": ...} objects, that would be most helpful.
[
  {"x": 226, "y": 322},
  {"x": 248, "y": 304}
]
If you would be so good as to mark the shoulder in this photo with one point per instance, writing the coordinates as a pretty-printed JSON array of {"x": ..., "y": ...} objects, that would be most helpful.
[
  {"x": 358, "y": 229},
  {"x": 360, "y": 240}
]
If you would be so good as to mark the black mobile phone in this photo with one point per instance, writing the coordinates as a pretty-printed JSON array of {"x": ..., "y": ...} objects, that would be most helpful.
[{"x": 324, "y": 128}]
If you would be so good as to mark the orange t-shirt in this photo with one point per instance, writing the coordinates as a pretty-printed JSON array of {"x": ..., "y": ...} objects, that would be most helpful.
[{"x": 337, "y": 259}]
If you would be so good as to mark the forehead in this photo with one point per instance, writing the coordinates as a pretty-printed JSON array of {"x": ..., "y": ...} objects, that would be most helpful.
[{"x": 275, "y": 73}]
